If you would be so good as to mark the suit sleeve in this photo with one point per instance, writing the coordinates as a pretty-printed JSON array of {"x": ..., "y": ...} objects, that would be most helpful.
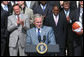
[
  {"x": 51, "y": 37},
  {"x": 11, "y": 26},
  {"x": 26, "y": 24},
  {"x": 28, "y": 39}
]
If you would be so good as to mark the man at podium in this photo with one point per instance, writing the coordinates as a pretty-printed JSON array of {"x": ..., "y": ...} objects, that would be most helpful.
[{"x": 40, "y": 33}]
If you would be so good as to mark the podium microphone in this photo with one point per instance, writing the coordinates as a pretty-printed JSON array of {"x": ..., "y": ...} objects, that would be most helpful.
[
  {"x": 44, "y": 38},
  {"x": 39, "y": 38}
]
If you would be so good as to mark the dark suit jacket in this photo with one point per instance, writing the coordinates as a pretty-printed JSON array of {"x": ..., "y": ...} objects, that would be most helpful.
[
  {"x": 69, "y": 32},
  {"x": 39, "y": 10},
  {"x": 59, "y": 30},
  {"x": 10, "y": 9},
  {"x": 52, "y": 3},
  {"x": 73, "y": 5},
  {"x": 4, "y": 15},
  {"x": 77, "y": 38}
]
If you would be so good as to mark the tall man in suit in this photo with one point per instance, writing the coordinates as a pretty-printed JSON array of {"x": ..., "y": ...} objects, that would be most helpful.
[
  {"x": 78, "y": 36},
  {"x": 40, "y": 30},
  {"x": 58, "y": 23},
  {"x": 4, "y": 34},
  {"x": 7, "y": 9},
  {"x": 18, "y": 23},
  {"x": 68, "y": 13}
]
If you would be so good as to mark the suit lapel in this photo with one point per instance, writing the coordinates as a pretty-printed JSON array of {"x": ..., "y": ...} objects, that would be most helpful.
[
  {"x": 52, "y": 20},
  {"x": 14, "y": 19},
  {"x": 43, "y": 32},
  {"x": 35, "y": 37}
]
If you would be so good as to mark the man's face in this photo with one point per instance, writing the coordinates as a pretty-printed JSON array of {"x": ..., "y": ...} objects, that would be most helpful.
[
  {"x": 5, "y": 2},
  {"x": 66, "y": 5},
  {"x": 81, "y": 4},
  {"x": 55, "y": 10},
  {"x": 17, "y": 10},
  {"x": 38, "y": 22}
]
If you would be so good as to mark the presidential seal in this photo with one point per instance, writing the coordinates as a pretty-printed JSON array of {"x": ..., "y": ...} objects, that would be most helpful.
[{"x": 41, "y": 48}]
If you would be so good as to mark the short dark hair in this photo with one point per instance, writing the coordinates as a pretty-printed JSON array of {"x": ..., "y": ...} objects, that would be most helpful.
[
  {"x": 66, "y": 2},
  {"x": 55, "y": 6}
]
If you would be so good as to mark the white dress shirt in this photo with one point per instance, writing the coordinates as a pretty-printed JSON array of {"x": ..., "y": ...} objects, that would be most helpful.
[
  {"x": 28, "y": 3},
  {"x": 43, "y": 7},
  {"x": 5, "y": 7},
  {"x": 56, "y": 18},
  {"x": 67, "y": 12},
  {"x": 37, "y": 30}
]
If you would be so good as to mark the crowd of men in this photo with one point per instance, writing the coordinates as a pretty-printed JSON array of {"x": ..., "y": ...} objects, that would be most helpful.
[{"x": 21, "y": 21}]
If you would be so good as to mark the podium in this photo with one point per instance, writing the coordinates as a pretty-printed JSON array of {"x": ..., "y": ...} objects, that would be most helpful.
[{"x": 51, "y": 49}]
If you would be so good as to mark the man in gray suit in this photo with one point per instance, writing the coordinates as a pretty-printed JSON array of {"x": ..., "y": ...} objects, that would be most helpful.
[
  {"x": 18, "y": 23},
  {"x": 40, "y": 30}
]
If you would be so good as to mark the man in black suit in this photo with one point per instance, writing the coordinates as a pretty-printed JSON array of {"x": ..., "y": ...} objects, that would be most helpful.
[
  {"x": 43, "y": 8},
  {"x": 6, "y": 10},
  {"x": 58, "y": 23},
  {"x": 7, "y": 7},
  {"x": 68, "y": 13},
  {"x": 3, "y": 31},
  {"x": 78, "y": 36}
]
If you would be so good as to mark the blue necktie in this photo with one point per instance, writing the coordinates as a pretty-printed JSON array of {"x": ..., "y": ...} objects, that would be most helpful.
[
  {"x": 39, "y": 32},
  {"x": 43, "y": 8},
  {"x": 39, "y": 36},
  {"x": 6, "y": 8}
]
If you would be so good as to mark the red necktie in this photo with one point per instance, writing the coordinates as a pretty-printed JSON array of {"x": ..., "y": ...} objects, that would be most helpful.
[{"x": 18, "y": 18}]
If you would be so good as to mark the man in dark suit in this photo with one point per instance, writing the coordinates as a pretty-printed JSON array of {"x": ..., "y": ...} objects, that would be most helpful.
[
  {"x": 58, "y": 23},
  {"x": 67, "y": 13},
  {"x": 3, "y": 31},
  {"x": 43, "y": 8},
  {"x": 7, "y": 7},
  {"x": 78, "y": 36},
  {"x": 7, "y": 10}
]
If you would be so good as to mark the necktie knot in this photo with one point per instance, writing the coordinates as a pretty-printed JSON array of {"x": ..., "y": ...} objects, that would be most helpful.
[{"x": 38, "y": 32}]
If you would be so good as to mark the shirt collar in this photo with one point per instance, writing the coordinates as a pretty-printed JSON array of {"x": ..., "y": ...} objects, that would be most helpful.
[
  {"x": 55, "y": 16},
  {"x": 3, "y": 5},
  {"x": 39, "y": 30},
  {"x": 43, "y": 7}
]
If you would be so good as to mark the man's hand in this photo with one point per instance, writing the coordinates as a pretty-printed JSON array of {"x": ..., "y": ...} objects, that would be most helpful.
[
  {"x": 18, "y": 22},
  {"x": 22, "y": 22},
  {"x": 68, "y": 19},
  {"x": 79, "y": 33}
]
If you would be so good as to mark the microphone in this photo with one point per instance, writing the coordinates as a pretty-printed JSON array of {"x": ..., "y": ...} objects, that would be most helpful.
[
  {"x": 39, "y": 38},
  {"x": 44, "y": 38}
]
